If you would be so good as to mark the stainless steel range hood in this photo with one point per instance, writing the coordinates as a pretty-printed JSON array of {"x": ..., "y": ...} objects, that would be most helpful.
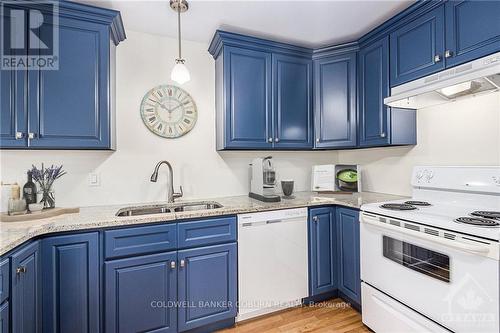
[{"x": 472, "y": 78}]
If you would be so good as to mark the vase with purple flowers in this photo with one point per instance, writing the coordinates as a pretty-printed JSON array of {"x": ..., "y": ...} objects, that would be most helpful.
[{"x": 45, "y": 178}]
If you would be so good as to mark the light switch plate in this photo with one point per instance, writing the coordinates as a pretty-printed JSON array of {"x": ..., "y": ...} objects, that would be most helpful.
[{"x": 94, "y": 179}]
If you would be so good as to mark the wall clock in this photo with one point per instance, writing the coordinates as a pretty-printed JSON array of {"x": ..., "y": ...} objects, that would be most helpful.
[{"x": 168, "y": 111}]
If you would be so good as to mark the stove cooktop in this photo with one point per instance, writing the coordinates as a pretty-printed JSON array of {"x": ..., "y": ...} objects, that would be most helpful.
[{"x": 451, "y": 216}]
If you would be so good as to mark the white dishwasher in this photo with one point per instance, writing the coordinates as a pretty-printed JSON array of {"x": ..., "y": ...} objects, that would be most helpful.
[{"x": 272, "y": 261}]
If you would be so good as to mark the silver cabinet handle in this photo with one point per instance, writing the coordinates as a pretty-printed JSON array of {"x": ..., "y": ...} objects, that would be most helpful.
[
  {"x": 437, "y": 58},
  {"x": 382, "y": 135},
  {"x": 448, "y": 54},
  {"x": 20, "y": 270},
  {"x": 317, "y": 140},
  {"x": 19, "y": 135},
  {"x": 270, "y": 140},
  {"x": 31, "y": 135},
  {"x": 276, "y": 140},
  {"x": 182, "y": 263},
  {"x": 172, "y": 264},
  {"x": 315, "y": 219}
]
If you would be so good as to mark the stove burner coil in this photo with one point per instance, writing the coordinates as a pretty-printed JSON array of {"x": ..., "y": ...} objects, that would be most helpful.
[
  {"x": 486, "y": 214},
  {"x": 417, "y": 203},
  {"x": 477, "y": 221},
  {"x": 395, "y": 206}
]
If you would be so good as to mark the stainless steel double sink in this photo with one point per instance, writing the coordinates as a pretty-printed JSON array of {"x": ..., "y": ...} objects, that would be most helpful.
[{"x": 168, "y": 208}]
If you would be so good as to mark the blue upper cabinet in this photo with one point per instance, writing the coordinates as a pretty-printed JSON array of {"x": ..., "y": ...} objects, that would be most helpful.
[
  {"x": 247, "y": 89},
  {"x": 292, "y": 85},
  {"x": 380, "y": 125},
  {"x": 70, "y": 280},
  {"x": 417, "y": 48},
  {"x": 335, "y": 101},
  {"x": 373, "y": 88},
  {"x": 322, "y": 236},
  {"x": 472, "y": 30},
  {"x": 139, "y": 294},
  {"x": 25, "y": 299},
  {"x": 262, "y": 93},
  {"x": 71, "y": 107},
  {"x": 13, "y": 117},
  {"x": 348, "y": 254},
  {"x": 207, "y": 285}
]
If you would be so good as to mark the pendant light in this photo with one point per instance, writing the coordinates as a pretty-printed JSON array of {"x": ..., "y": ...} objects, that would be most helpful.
[{"x": 180, "y": 73}]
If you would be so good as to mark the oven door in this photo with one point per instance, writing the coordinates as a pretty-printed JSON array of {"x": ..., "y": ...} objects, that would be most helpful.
[{"x": 456, "y": 284}]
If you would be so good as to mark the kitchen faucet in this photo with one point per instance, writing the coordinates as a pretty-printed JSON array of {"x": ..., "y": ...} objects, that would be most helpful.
[{"x": 171, "y": 195}]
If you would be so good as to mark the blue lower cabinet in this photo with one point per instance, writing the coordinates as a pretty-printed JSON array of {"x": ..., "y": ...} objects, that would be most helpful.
[
  {"x": 140, "y": 294},
  {"x": 322, "y": 251},
  {"x": 348, "y": 254},
  {"x": 335, "y": 101},
  {"x": 4, "y": 279},
  {"x": 25, "y": 297},
  {"x": 70, "y": 280},
  {"x": 4, "y": 318},
  {"x": 207, "y": 285}
]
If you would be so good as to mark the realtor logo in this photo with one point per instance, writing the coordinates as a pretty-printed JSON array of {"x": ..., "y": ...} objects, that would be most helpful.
[{"x": 29, "y": 38}]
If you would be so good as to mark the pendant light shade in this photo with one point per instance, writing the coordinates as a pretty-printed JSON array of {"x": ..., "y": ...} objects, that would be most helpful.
[{"x": 180, "y": 73}]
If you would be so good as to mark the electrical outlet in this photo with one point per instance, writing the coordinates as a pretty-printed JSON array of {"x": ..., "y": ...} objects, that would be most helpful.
[{"x": 94, "y": 179}]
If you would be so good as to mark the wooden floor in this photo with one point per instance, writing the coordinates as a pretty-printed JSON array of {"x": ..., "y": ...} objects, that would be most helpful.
[{"x": 330, "y": 316}]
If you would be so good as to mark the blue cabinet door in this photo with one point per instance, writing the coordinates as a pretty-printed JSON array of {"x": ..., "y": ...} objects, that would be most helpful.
[
  {"x": 322, "y": 251},
  {"x": 70, "y": 107},
  {"x": 472, "y": 30},
  {"x": 25, "y": 298},
  {"x": 373, "y": 88},
  {"x": 348, "y": 252},
  {"x": 207, "y": 285},
  {"x": 70, "y": 280},
  {"x": 417, "y": 48},
  {"x": 335, "y": 101},
  {"x": 13, "y": 112},
  {"x": 292, "y": 104},
  {"x": 140, "y": 294},
  {"x": 248, "y": 103},
  {"x": 4, "y": 318},
  {"x": 4, "y": 279}
]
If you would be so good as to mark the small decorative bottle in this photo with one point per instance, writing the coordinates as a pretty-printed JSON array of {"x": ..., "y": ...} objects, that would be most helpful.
[{"x": 29, "y": 190}]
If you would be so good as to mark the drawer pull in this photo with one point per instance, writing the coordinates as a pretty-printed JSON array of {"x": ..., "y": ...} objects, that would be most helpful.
[
  {"x": 172, "y": 264},
  {"x": 20, "y": 270},
  {"x": 183, "y": 263}
]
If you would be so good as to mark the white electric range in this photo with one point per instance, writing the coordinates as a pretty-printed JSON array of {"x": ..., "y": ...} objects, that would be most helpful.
[{"x": 431, "y": 264}]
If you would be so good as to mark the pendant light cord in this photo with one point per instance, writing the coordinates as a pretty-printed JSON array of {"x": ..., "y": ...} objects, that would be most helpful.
[{"x": 179, "y": 25}]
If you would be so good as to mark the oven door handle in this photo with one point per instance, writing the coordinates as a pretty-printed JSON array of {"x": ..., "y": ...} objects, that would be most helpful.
[{"x": 455, "y": 244}]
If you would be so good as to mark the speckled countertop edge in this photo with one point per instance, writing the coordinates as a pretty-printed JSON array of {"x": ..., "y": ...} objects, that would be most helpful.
[{"x": 13, "y": 234}]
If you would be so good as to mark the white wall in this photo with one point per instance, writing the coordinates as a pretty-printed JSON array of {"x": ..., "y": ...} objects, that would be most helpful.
[
  {"x": 144, "y": 61},
  {"x": 465, "y": 132}
]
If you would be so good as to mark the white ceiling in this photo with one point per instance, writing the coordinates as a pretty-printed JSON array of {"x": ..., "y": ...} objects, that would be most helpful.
[{"x": 308, "y": 22}]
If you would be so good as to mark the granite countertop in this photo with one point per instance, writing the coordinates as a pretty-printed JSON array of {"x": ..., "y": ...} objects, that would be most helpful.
[{"x": 13, "y": 234}]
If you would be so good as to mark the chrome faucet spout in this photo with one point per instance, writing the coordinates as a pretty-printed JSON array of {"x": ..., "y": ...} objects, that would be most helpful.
[{"x": 171, "y": 195}]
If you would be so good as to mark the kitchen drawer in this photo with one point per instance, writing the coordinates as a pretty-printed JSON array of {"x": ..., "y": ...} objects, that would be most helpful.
[
  {"x": 139, "y": 240},
  {"x": 206, "y": 232},
  {"x": 4, "y": 279}
]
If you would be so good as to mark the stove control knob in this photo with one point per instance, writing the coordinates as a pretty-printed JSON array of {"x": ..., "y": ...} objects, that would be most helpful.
[
  {"x": 429, "y": 175},
  {"x": 419, "y": 176}
]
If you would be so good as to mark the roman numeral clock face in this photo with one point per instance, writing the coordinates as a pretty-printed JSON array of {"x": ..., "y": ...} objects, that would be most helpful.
[{"x": 168, "y": 111}]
